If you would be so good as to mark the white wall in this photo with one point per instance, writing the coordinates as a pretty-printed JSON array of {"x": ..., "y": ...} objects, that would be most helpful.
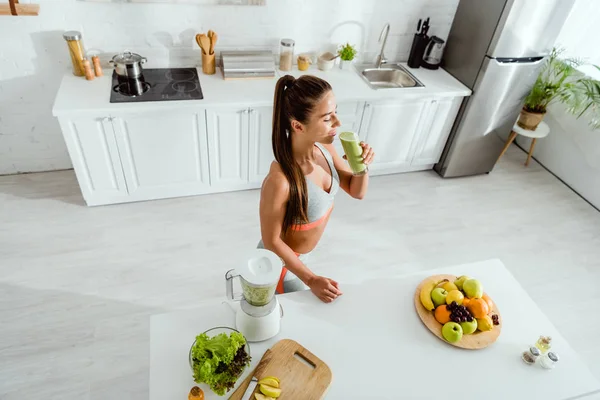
[
  {"x": 572, "y": 150},
  {"x": 33, "y": 55}
]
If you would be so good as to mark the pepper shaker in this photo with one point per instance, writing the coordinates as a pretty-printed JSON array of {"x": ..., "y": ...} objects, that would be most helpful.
[
  {"x": 530, "y": 356},
  {"x": 97, "y": 67},
  {"x": 549, "y": 360},
  {"x": 87, "y": 67}
]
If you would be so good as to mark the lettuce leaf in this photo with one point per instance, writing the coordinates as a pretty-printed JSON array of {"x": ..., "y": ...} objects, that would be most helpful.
[{"x": 218, "y": 361}]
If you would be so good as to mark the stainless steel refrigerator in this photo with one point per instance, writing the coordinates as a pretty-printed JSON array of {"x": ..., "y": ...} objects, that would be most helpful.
[{"x": 496, "y": 48}]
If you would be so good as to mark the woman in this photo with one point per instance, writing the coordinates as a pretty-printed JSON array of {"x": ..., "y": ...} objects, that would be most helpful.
[{"x": 297, "y": 194}]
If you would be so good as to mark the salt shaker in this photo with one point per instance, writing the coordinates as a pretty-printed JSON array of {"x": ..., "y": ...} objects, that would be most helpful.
[
  {"x": 549, "y": 360},
  {"x": 97, "y": 67},
  {"x": 87, "y": 67}
]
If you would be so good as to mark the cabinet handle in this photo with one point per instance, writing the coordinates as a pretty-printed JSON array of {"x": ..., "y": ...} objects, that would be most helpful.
[
  {"x": 107, "y": 119},
  {"x": 245, "y": 111},
  {"x": 252, "y": 111},
  {"x": 367, "y": 105}
]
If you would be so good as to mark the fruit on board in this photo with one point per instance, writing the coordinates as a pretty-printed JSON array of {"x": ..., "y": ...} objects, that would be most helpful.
[
  {"x": 441, "y": 283},
  {"x": 270, "y": 391},
  {"x": 489, "y": 301},
  {"x": 438, "y": 295},
  {"x": 469, "y": 327},
  {"x": 459, "y": 282},
  {"x": 459, "y": 313},
  {"x": 425, "y": 294},
  {"x": 466, "y": 301},
  {"x": 455, "y": 295},
  {"x": 473, "y": 288},
  {"x": 260, "y": 396},
  {"x": 478, "y": 308},
  {"x": 442, "y": 314},
  {"x": 269, "y": 381},
  {"x": 485, "y": 323},
  {"x": 449, "y": 286},
  {"x": 452, "y": 332}
]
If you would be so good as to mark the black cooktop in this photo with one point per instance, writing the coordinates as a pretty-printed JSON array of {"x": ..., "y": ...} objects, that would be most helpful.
[{"x": 159, "y": 84}]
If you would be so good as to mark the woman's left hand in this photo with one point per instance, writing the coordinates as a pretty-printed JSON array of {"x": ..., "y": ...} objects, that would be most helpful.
[{"x": 367, "y": 153}]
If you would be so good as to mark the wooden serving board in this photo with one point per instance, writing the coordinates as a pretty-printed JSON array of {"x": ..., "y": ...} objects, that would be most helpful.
[
  {"x": 476, "y": 340},
  {"x": 302, "y": 374}
]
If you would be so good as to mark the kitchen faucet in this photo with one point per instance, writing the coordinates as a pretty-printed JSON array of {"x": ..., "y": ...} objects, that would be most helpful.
[{"x": 384, "y": 34}]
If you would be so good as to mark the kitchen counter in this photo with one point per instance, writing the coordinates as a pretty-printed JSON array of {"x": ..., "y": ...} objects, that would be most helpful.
[
  {"x": 79, "y": 96},
  {"x": 378, "y": 348}
]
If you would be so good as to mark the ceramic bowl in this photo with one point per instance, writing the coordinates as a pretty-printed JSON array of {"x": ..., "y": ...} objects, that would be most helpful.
[{"x": 326, "y": 61}]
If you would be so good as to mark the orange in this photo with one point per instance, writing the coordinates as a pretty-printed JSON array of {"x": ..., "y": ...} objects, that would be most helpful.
[
  {"x": 466, "y": 301},
  {"x": 478, "y": 308},
  {"x": 489, "y": 302},
  {"x": 442, "y": 314}
]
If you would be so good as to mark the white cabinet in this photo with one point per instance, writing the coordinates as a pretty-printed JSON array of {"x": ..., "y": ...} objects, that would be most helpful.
[
  {"x": 261, "y": 148},
  {"x": 228, "y": 146},
  {"x": 438, "y": 123},
  {"x": 93, "y": 151},
  {"x": 392, "y": 128},
  {"x": 163, "y": 155}
]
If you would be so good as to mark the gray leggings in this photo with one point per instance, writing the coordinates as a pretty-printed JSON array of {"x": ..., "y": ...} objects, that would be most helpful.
[{"x": 291, "y": 283}]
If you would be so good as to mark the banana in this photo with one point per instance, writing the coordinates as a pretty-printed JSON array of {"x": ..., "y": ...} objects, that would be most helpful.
[{"x": 425, "y": 294}]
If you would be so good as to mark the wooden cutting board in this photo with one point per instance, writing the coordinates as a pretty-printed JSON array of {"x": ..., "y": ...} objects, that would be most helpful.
[
  {"x": 302, "y": 374},
  {"x": 477, "y": 340}
]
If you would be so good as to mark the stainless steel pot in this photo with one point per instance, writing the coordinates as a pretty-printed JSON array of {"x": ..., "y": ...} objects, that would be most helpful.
[{"x": 128, "y": 64}]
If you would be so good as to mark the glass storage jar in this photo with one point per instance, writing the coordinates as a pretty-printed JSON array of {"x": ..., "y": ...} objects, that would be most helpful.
[
  {"x": 76, "y": 51},
  {"x": 286, "y": 54}
]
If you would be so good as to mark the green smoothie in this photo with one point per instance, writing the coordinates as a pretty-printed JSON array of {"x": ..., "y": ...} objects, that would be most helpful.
[{"x": 353, "y": 151}]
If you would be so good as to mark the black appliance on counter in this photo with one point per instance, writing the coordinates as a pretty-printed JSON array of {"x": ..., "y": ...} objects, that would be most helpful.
[{"x": 157, "y": 84}]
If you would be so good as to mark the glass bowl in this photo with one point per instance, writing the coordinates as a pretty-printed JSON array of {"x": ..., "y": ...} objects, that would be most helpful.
[{"x": 214, "y": 332}]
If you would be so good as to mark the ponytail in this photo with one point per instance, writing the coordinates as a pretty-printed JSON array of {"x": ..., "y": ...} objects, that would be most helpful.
[{"x": 294, "y": 99}]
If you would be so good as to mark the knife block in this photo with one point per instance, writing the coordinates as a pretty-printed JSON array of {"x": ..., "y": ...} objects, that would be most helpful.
[
  {"x": 208, "y": 63},
  {"x": 417, "y": 50}
]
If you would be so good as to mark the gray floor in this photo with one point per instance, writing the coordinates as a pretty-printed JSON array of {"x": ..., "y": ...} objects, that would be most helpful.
[{"x": 78, "y": 284}]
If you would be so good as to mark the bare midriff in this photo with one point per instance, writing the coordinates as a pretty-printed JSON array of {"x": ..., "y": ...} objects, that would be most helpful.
[{"x": 305, "y": 241}]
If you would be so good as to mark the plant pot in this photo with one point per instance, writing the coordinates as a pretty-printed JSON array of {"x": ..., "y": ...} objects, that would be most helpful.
[
  {"x": 345, "y": 64},
  {"x": 530, "y": 120}
]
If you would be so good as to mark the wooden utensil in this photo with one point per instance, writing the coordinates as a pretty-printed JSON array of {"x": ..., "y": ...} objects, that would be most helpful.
[
  {"x": 213, "y": 41},
  {"x": 205, "y": 43},
  {"x": 476, "y": 340},
  {"x": 302, "y": 374},
  {"x": 198, "y": 40},
  {"x": 239, "y": 392}
]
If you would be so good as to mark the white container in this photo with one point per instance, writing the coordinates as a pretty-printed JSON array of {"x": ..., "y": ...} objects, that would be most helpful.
[{"x": 326, "y": 61}]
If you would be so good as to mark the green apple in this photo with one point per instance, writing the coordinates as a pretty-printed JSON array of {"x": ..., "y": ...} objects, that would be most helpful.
[
  {"x": 452, "y": 332},
  {"x": 459, "y": 282},
  {"x": 449, "y": 286},
  {"x": 438, "y": 295},
  {"x": 473, "y": 288},
  {"x": 469, "y": 327}
]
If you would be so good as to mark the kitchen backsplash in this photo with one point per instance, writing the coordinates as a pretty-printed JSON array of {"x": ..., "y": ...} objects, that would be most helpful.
[{"x": 33, "y": 55}]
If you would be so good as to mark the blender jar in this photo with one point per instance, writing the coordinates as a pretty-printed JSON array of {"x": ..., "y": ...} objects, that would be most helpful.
[{"x": 259, "y": 276}]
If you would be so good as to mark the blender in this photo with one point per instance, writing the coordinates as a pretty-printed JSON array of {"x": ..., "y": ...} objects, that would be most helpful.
[{"x": 258, "y": 315}]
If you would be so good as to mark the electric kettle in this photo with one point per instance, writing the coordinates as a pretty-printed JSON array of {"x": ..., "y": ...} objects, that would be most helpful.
[{"x": 432, "y": 57}]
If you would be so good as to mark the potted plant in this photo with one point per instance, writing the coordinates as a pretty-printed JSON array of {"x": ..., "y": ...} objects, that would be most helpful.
[
  {"x": 560, "y": 81},
  {"x": 347, "y": 53}
]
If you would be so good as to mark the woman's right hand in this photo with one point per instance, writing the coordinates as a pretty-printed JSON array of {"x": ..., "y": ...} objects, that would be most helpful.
[{"x": 324, "y": 288}]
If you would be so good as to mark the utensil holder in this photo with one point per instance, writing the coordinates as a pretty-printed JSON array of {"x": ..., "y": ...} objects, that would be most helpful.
[
  {"x": 417, "y": 50},
  {"x": 208, "y": 63}
]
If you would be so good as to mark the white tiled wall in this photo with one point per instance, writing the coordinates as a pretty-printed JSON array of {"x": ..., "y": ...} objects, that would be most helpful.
[{"x": 33, "y": 55}]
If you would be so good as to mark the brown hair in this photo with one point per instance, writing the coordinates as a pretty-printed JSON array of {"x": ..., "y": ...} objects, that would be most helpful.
[{"x": 295, "y": 99}]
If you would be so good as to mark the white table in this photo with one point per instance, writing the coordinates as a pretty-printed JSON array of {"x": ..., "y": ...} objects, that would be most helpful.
[
  {"x": 377, "y": 347},
  {"x": 541, "y": 131}
]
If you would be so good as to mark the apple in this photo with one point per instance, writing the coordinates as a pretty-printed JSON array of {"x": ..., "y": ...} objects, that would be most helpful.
[
  {"x": 455, "y": 295},
  {"x": 473, "y": 288},
  {"x": 459, "y": 282},
  {"x": 469, "y": 327},
  {"x": 452, "y": 332},
  {"x": 449, "y": 286},
  {"x": 438, "y": 295}
]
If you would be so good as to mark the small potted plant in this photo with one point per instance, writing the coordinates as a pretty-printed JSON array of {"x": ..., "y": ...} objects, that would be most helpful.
[
  {"x": 560, "y": 81},
  {"x": 347, "y": 53}
]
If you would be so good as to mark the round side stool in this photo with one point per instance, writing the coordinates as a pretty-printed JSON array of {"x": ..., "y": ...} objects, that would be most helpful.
[{"x": 541, "y": 131}]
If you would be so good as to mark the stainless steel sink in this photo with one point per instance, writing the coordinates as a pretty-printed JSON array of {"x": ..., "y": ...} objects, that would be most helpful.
[{"x": 389, "y": 76}]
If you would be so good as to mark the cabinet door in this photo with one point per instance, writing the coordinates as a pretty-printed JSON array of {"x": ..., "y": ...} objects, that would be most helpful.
[
  {"x": 261, "y": 148},
  {"x": 228, "y": 147},
  {"x": 163, "y": 155},
  {"x": 350, "y": 115},
  {"x": 391, "y": 128},
  {"x": 93, "y": 151},
  {"x": 440, "y": 118}
]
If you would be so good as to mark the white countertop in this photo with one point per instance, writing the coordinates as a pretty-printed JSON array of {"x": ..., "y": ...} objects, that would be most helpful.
[
  {"x": 377, "y": 347},
  {"x": 78, "y": 96}
]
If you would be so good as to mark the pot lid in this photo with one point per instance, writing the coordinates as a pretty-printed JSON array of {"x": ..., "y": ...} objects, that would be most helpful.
[
  {"x": 127, "y": 57},
  {"x": 262, "y": 267}
]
